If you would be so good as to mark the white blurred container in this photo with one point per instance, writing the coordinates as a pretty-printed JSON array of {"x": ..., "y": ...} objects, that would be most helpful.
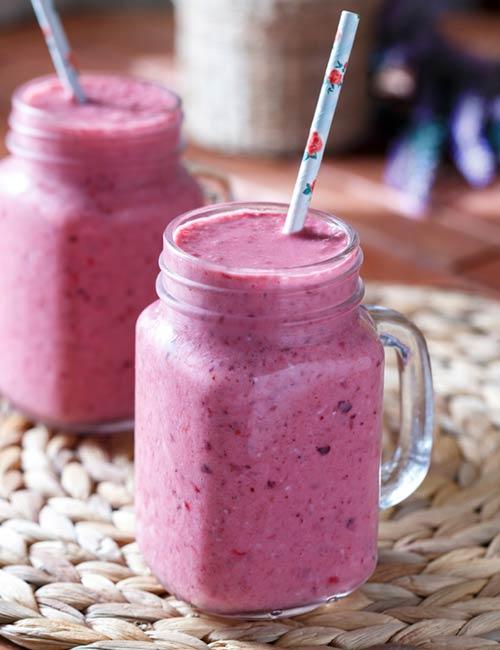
[{"x": 252, "y": 69}]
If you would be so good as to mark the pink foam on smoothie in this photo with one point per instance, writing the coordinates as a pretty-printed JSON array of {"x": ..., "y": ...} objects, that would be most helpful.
[
  {"x": 113, "y": 103},
  {"x": 254, "y": 240}
]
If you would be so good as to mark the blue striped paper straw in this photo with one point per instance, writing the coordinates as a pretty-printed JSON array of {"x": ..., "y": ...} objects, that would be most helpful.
[
  {"x": 58, "y": 45},
  {"x": 322, "y": 122}
]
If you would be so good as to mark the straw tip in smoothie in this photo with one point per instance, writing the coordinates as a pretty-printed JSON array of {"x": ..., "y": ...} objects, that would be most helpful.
[
  {"x": 113, "y": 102},
  {"x": 254, "y": 240}
]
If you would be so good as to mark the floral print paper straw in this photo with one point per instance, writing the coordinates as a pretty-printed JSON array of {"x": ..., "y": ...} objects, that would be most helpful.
[
  {"x": 58, "y": 45},
  {"x": 321, "y": 123}
]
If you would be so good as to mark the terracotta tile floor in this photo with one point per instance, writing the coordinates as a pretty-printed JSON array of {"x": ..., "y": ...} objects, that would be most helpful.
[{"x": 458, "y": 244}]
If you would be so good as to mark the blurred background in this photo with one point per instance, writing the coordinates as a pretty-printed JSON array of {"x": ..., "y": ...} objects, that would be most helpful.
[{"x": 415, "y": 149}]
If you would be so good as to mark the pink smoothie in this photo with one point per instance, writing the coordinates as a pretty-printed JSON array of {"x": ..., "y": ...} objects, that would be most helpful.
[
  {"x": 84, "y": 197},
  {"x": 258, "y": 406}
]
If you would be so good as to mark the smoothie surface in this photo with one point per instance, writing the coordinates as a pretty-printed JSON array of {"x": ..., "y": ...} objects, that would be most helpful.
[
  {"x": 114, "y": 102},
  {"x": 254, "y": 240}
]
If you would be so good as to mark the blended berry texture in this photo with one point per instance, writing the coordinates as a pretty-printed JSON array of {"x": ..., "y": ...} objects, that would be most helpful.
[
  {"x": 84, "y": 199},
  {"x": 258, "y": 418},
  {"x": 255, "y": 240},
  {"x": 114, "y": 104}
]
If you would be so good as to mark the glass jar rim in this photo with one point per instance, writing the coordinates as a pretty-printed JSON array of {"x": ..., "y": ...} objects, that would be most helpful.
[
  {"x": 76, "y": 126},
  {"x": 351, "y": 247}
]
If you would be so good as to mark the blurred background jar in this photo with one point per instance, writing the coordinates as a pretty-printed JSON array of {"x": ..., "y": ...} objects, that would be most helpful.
[
  {"x": 251, "y": 72},
  {"x": 85, "y": 196}
]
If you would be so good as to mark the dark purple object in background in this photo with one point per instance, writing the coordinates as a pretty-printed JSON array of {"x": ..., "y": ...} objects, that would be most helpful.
[{"x": 442, "y": 101}]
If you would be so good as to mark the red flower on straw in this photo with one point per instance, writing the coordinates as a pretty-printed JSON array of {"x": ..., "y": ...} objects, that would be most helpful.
[
  {"x": 335, "y": 77},
  {"x": 314, "y": 145}
]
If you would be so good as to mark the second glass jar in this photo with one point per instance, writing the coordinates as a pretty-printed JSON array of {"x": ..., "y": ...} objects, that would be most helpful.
[{"x": 85, "y": 195}]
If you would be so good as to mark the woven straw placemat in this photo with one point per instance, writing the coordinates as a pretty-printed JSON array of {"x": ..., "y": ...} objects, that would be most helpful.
[{"x": 72, "y": 575}]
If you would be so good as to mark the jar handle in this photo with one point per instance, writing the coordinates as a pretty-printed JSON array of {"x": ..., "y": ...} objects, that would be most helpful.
[
  {"x": 218, "y": 188},
  {"x": 403, "y": 473}
]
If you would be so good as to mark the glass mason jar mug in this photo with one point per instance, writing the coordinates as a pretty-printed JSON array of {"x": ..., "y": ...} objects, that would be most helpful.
[
  {"x": 85, "y": 195},
  {"x": 258, "y": 425}
]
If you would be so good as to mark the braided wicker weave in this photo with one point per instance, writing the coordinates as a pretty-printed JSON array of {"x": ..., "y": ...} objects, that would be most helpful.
[
  {"x": 72, "y": 575},
  {"x": 252, "y": 71}
]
